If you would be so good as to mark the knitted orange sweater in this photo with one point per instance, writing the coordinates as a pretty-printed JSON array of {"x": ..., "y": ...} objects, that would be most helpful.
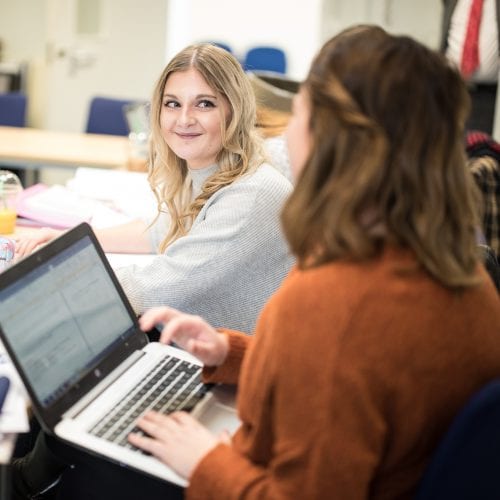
[{"x": 354, "y": 373}]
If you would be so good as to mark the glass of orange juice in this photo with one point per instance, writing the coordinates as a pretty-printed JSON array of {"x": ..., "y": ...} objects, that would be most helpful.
[{"x": 10, "y": 187}]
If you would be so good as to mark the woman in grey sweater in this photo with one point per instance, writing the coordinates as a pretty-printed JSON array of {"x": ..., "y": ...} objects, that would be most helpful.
[
  {"x": 221, "y": 252},
  {"x": 220, "y": 249}
]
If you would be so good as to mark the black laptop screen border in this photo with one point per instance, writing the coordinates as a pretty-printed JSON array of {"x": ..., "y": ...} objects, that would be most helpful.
[{"x": 49, "y": 411}]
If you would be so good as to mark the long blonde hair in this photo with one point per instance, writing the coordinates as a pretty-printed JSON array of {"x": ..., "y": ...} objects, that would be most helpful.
[
  {"x": 387, "y": 161},
  {"x": 241, "y": 146}
]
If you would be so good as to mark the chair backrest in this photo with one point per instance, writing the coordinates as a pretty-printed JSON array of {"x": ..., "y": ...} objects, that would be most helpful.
[
  {"x": 13, "y": 109},
  {"x": 492, "y": 265},
  {"x": 466, "y": 464},
  {"x": 486, "y": 172},
  {"x": 273, "y": 91},
  {"x": 266, "y": 59},
  {"x": 106, "y": 116}
]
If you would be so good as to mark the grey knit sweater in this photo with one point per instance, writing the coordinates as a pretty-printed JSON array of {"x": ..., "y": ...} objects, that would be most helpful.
[{"x": 232, "y": 260}]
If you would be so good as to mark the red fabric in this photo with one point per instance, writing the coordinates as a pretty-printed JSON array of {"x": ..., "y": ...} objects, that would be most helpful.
[{"x": 470, "y": 54}]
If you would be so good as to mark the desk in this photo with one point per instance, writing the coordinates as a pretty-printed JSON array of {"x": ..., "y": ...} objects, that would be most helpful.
[{"x": 30, "y": 148}]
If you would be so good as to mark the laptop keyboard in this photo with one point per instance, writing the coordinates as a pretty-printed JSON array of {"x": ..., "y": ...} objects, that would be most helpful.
[{"x": 173, "y": 385}]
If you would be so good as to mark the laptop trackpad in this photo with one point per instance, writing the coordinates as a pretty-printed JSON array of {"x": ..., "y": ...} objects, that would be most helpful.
[{"x": 218, "y": 413}]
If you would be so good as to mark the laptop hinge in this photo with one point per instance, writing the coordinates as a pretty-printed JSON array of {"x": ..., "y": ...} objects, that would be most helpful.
[{"x": 103, "y": 385}]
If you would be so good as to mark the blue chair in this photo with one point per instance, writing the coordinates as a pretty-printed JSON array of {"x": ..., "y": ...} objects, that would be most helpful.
[
  {"x": 13, "y": 114},
  {"x": 106, "y": 116},
  {"x": 265, "y": 59},
  {"x": 466, "y": 464},
  {"x": 13, "y": 109}
]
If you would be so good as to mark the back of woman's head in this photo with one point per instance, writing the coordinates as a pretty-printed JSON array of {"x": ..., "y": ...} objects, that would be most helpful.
[
  {"x": 387, "y": 162},
  {"x": 241, "y": 146}
]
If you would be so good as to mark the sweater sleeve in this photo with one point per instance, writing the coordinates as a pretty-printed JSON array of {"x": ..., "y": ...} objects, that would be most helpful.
[
  {"x": 228, "y": 372},
  {"x": 228, "y": 264}
]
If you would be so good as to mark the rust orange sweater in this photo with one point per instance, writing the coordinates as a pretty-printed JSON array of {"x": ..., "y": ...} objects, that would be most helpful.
[{"x": 354, "y": 373}]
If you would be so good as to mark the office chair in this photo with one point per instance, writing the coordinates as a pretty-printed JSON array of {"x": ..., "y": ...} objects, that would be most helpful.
[
  {"x": 266, "y": 59},
  {"x": 273, "y": 91},
  {"x": 13, "y": 109},
  {"x": 483, "y": 154},
  {"x": 106, "y": 116},
  {"x": 491, "y": 264},
  {"x": 13, "y": 114},
  {"x": 466, "y": 463}
]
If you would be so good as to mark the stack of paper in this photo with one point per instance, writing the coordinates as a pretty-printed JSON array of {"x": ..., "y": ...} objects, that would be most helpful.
[
  {"x": 127, "y": 192},
  {"x": 117, "y": 260},
  {"x": 14, "y": 417},
  {"x": 103, "y": 198},
  {"x": 57, "y": 206}
]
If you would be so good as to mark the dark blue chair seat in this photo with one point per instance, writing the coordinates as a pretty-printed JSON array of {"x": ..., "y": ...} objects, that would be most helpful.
[
  {"x": 106, "y": 116},
  {"x": 265, "y": 59},
  {"x": 13, "y": 109},
  {"x": 466, "y": 464}
]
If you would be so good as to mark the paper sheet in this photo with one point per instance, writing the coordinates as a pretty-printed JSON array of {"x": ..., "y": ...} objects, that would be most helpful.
[
  {"x": 14, "y": 417},
  {"x": 125, "y": 259}
]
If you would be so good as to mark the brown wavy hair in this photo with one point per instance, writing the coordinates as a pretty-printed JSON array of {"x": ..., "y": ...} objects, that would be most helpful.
[
  {"x": 387, "y": 163},
  {"x": 241, "y": 145}
]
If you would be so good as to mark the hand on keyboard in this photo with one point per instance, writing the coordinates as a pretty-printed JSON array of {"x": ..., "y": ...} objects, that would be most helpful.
[
  {"x": 190, "y": 332},
  {"x": 178, "y": 440}
]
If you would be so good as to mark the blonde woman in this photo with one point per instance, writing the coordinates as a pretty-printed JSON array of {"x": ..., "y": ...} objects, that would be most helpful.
[{"x": 218, "y": 233}]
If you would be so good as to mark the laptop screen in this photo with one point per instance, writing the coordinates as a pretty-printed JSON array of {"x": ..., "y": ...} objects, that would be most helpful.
[{"x": 62, "y": 318}]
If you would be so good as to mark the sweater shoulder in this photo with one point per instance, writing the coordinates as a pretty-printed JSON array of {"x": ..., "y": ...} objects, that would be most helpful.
[
  {"x": 262, "y": 191},
  {"x": 265, "y": 180}
]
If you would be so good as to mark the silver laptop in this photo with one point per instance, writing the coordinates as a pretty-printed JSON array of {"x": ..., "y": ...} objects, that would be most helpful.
[{"x": 88, "y": 368}]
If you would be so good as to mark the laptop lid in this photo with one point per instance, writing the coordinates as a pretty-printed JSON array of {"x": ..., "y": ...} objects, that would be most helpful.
[{"x": 65, "y": 321}]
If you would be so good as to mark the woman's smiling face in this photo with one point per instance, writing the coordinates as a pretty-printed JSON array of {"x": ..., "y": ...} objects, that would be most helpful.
[{"x": 191, "y": 118}]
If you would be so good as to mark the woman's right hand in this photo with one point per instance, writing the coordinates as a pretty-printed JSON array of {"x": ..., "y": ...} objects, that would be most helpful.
[
  {"x": 190, "y": 332},
  {"x": 29, "y": 242}
]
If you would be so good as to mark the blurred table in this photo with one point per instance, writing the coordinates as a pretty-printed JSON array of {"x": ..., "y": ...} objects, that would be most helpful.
[{"x": 30, "y": 148}]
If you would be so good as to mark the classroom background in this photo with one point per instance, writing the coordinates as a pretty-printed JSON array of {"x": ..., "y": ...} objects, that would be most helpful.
[{"x": 69, "y": 51}]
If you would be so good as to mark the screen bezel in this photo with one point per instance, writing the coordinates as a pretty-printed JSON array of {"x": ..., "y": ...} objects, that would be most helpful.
[{"x": 51, "y": 413}]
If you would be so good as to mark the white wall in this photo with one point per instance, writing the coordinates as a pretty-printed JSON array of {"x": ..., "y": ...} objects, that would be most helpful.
[
  {"x": 22, "y": 29},
  {"x": 122, "y": 60},
  {"x": 420, "y": 19},
  {"x": 292, "y": 25},
  {"x": 22, "y": 32},
  {"x": 133, "y": 53}
]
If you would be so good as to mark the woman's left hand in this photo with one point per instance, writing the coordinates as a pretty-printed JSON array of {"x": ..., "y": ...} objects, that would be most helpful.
[{"x": 178, "y": 440}]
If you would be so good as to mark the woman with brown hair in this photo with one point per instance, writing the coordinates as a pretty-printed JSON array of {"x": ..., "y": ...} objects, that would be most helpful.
[{"x": 389, "y": 322}]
